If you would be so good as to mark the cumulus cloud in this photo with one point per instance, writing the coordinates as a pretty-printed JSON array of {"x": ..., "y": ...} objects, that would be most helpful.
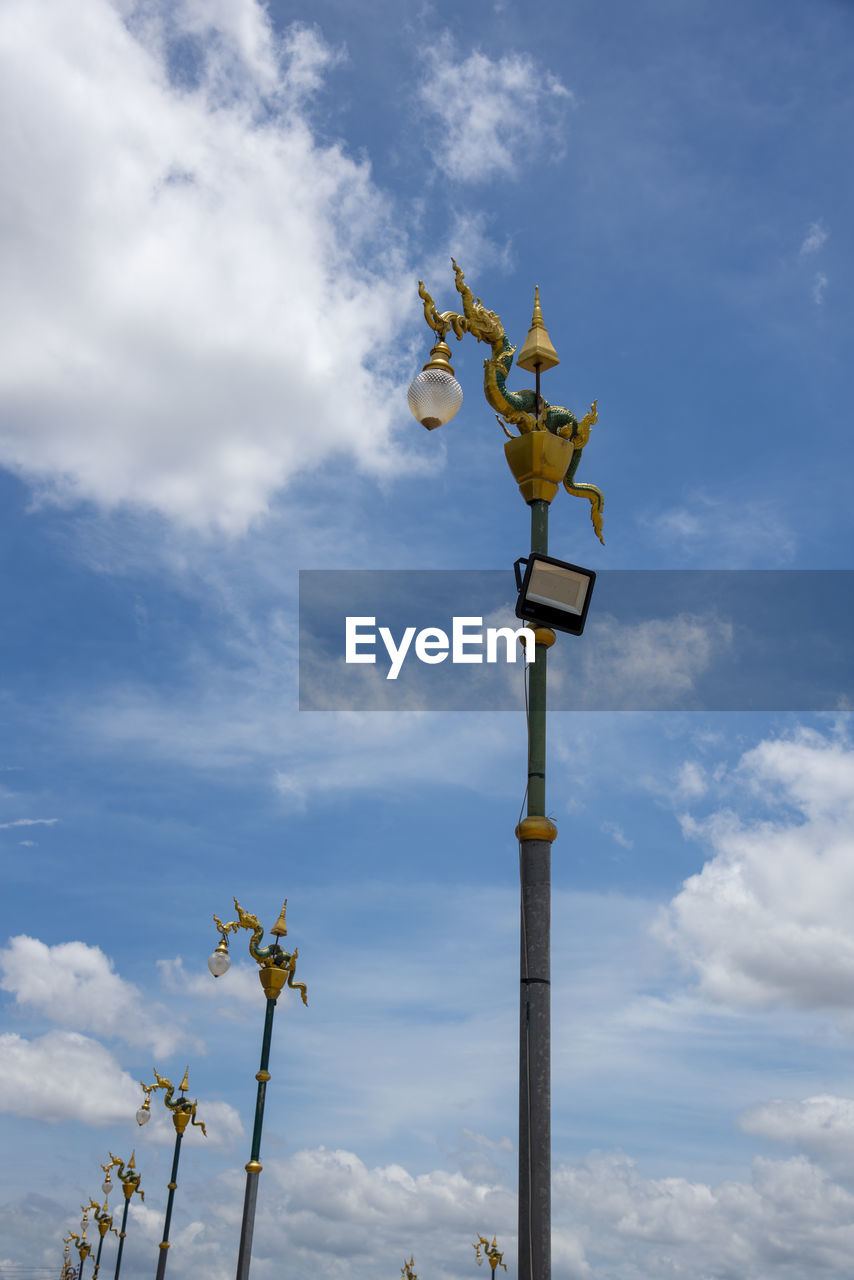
[
  {"x": 190, "y": 278},
  {"x": 75, "y": 985},
  {"x": 791, "y": 1220},
  {"x": 324, "y": 1206},
  {"x": 822, "y": 1126},
  {"x": 64, "y": 1076},
  {"x": 767, "y": 921},
  {"x": 491, "y": 114}
]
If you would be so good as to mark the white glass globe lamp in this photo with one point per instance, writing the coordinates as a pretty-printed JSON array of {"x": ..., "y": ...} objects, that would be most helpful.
[
  {"x": 435, "y": 395},
  {"x": 220, "y": 961}
]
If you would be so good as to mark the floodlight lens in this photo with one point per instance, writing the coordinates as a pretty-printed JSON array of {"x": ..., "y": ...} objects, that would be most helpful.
[{"x": 558, "y": 588}]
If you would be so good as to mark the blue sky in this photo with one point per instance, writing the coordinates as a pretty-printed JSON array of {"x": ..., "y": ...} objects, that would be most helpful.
[{"x": 215, "y": 219}]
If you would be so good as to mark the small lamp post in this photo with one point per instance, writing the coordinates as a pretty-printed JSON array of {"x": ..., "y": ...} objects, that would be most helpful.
[
  {"x": 105, "y": 1224},
  {"x": 276, "y": 968},
  {"x": 68, "y": 1271},
  {"x": 129, "y": 1178},
  {"x": 81, "y": 1244},
  {"x": 543, "y": 449},
  {"x": 183, "y": 1112},
  {"x": 491, "y": 1252}
]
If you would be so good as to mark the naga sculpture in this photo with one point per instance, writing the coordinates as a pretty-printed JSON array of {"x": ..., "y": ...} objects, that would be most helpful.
[
  {"x": 272, "y": 957},
  {"x": 491, "y": 1252},
  {"x": 183, "y": 1110},
  {"x": 127, "y": 1175},
  {"x": 525, "y": 410}
]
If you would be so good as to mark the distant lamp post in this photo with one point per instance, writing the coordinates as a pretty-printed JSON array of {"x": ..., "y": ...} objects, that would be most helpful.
[
  {"x": 105, "y": 1224},
  {"x": 183, "y": 1112},
  {"x": 276, "y": 969},
  {"x": 81, "y": 1244},
  {"x": 68, "y": 1271},
  {"x": 491, "y": 1253},
  {"x": 407, "y": 1271},
  {"x": 543, "y": 448},
  {"x": 129, "y": 1178}
]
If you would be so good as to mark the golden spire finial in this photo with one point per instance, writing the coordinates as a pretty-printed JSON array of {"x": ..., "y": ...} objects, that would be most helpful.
[
  {"x": 132, "y": 1161},
  {"x": 537, "y": 350},
  {"x": 185, "y": 1083},
  {"x": 280, "y": 929}
]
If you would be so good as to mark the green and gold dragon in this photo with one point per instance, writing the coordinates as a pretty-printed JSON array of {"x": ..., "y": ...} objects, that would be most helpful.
[{"x": 519, "y": 409}]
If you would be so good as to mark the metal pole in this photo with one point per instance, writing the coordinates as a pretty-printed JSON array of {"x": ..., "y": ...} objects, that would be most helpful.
[
  {"x": 98, "y": 1258},
  {"x": 122, "y": 1236},
  {"x": 173, "y": 1183},
  {"x": 253, "y": 1168},
  {"x": 535, "y": 839}
]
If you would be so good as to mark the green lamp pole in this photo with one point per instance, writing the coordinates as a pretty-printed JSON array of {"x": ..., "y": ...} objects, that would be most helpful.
[
  {"x": 183, "y": 1111},
  {"x": 276, "y": 968},
  {"x": 129, "y": 1178},
  {"x": 543, "y": 454}
]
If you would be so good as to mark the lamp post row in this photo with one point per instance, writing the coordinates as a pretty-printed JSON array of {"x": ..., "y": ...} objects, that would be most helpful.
[{"x": 544, "y": 454}]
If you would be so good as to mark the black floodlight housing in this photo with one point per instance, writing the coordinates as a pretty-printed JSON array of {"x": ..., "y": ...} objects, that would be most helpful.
[{"x": 553, "y": 592}]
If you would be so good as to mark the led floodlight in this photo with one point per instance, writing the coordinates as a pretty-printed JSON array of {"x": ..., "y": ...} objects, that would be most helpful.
[{"x": 553, "y": 592}]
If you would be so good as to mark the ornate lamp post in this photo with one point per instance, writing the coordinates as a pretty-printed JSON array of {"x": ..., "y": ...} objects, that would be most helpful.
[
  {"x": 276, "y": 968},
  {"x": 69, "y": 1270},
  {"x": 105, "y": 1224},
  {"x": 81, "y": 1244},
  {"x": 183, "y": 1112},
  {"x": 544, "y": 453},
  {"x": 491, "y": 1252},
  {"x": 129, "y": 1178}
]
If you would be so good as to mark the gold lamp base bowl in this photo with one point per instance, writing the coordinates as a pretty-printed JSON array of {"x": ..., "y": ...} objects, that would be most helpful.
[
  {"x": 539, "y": 461},
  {"x": 272, "y": 980}
]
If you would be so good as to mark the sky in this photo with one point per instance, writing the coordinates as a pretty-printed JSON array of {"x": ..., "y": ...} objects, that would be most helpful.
[{"x": 215, "y": 218}]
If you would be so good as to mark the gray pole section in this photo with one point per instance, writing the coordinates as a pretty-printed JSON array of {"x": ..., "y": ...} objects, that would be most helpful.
[{"x": 535, "y": 834}]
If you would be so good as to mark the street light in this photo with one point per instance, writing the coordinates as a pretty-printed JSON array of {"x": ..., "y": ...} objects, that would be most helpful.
[
  {"x": 491, "y": 1252},
  {"x": 105, "y": 1224},
  {"x": 81, "y": 1244},
  {"x": 183, "y": 1111},
  {"x": 276, "y": 968},
  {"x": 68, "y": 1270},
  {"x": 129, "y": 1178},
  {"x": 544, "y": 453}
]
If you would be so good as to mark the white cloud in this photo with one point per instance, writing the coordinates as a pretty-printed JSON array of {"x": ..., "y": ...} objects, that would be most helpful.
[
  {"x": 492, "y": 114},
  {"x": 30, "y": 822},
  {"x": 618, "y": 835},
  {"x": 767, "y": 921},
  {"x": 75, "y": 985},
  {"x": 790, "y": 1220},
  {"x": 190, "y": 278},
  {"x": 822, "y": 1126},
  {"x": 64, "y": 1076},
  {"x": 650, "y": 663},
  {"x": 692, "y": 780},
  {"x": 814, "y": 239},
  {"x": 819, "y": 285},
  {"x": 715, "y": 529}
]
